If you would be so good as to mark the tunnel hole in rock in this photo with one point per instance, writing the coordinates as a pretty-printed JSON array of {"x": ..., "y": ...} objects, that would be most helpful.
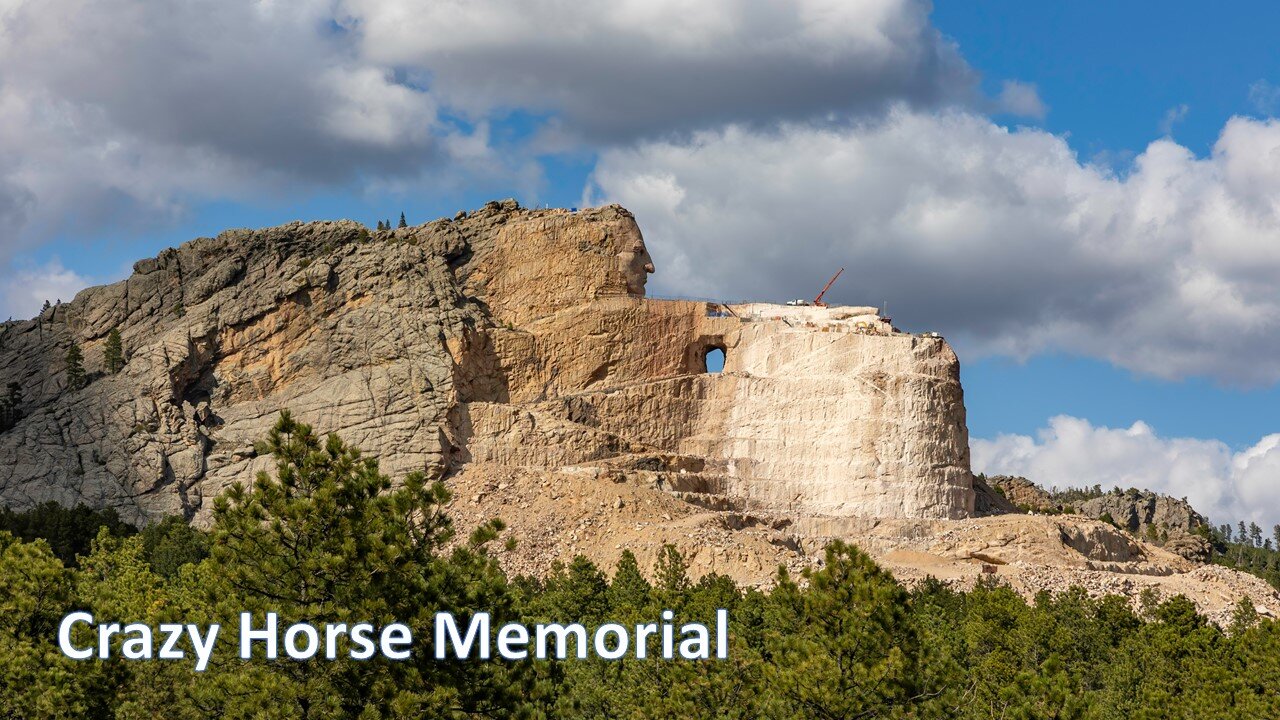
[{"x": 713, "y": 360}]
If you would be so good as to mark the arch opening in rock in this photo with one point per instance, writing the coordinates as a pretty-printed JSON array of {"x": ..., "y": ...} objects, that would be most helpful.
[{"x": 713, "y": 360}]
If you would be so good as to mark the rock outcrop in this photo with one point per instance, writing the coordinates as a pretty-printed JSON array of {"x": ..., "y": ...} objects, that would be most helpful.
[
  {"x": 1165, "y": 521},
  {"x": 507, "y": 337},
  {"x": 1161, "y": 520},
  {"x": 1018, "y": 492}
]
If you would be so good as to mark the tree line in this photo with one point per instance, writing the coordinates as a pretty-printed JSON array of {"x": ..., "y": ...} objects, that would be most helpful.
[
  {"x": 327, "y": 537},
  {"x": 1245, "y": 548}
]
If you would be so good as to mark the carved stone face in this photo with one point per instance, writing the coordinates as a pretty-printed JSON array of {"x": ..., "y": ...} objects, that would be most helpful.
[{"x": 634, "y": 259}]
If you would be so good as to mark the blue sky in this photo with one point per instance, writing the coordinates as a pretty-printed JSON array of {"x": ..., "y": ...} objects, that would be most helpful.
[
  {"x": 1077, "y": 194},
  {"x": 1111, "y": 72}
]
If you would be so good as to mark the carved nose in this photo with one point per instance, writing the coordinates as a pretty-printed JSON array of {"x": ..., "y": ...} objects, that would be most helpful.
[{"x": 648, "y": 267}]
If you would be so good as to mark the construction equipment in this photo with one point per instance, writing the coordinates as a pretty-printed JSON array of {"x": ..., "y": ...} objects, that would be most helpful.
[{"x": 818, "y": 300}]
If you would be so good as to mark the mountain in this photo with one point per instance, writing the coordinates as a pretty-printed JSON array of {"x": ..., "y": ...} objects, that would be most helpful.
[{"x": 513, "y": 352}]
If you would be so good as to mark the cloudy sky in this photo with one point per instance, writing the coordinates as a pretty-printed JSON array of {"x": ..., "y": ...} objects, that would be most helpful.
[{"x": 1091, "y": 214}]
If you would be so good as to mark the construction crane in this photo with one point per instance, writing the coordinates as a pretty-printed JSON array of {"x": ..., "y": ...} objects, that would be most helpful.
[{"x": 818, "y": 300}]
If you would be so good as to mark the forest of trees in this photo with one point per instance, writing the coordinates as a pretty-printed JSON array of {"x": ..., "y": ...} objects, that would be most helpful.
[
  {"x": 1247, "y": 548},
  {"x": 327, "y": 537}
]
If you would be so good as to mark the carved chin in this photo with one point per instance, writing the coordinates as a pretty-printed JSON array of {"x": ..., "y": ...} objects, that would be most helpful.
[{"x": 636, "y": 282}]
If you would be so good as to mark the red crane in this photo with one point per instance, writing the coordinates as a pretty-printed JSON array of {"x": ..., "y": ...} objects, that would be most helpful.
[{"x": 818, "y": 300}]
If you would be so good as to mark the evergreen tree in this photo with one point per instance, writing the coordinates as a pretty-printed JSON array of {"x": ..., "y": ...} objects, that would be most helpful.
[
  {"x": 327, "y": 539},
  {"x": 629, "y": 591},
  {"x": 75, "y": 368},
  {"x": 113, "y": 353},
  {"x": 671, "y": 572},
  {"x": 381, "y": 227},
  {"x": 11, "y": 407},
  {"x": 69, "y": 532},
  {"x": 402, "y": 222},
  {"x": 36, "y": 680},
  {"x": 845, "y": 646},
  {"x": 171, "y": 544}
]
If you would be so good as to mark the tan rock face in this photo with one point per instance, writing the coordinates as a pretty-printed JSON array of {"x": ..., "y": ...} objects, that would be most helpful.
[
  {"x": 509, "y": 336},
  {"x": 810, "y": 417}
]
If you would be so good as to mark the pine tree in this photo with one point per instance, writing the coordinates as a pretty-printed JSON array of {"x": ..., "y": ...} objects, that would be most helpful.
[
  {"x": 113, "y": 353},
  {"x": 381, "y": 227},
  {"x": 845, "y": 646},
  {"x": 671, "y": 572},
  {"x": 11, "y": 407},
  {"x": 402, "y": 222},
  {"x": 75, "y": 368},
  {"x": 326, "y": 538},
  {"x": 37, "y": 680},
  {"x": 629, "y": 591}
]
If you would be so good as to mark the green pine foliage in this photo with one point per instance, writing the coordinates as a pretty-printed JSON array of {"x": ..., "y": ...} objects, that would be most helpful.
[
  {"x": 74, "y": 359},
  {"x": 171, "y": 544},
  {"x": 327, "y": 537},
  {"x": 1247, "y": 550},
  {"x": 113, "y": 353},
  {"x": 10, "y": 406},
  {"x": 68, "y": 532}
]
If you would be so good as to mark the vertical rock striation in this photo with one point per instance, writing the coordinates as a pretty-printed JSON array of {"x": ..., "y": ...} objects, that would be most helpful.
[{"x": 500, "y": 338}]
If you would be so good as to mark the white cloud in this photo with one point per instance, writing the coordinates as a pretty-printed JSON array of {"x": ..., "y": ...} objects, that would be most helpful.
[
  {"x": 1265, "y": 97},
  {"x": 644, "y": 67},
  {"x": 30, "y": 288},
  {"x": 1001, "y": 239},
  {"x": 1224, "y": 485},
  {"x": 1172, "y": 117},
  {"x": 114, "y": 115},
  {"x": 1020, "y": 98}
]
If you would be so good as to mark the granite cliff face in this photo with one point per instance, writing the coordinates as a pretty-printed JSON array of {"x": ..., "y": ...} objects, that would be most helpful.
[
  {"x": 513, "y": 353},
  {"x": 506, "y": 337}
]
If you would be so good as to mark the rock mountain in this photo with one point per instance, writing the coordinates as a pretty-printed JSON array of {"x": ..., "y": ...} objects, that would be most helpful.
[{"x": 513, "y": 353}]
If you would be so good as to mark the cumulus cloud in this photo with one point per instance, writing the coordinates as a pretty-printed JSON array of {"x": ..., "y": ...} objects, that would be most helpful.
[
  {"x": 1001, "y": 239},
  {"x": 270, "y": 85},
  {"x": 1172, "y": 117},
  {"x": 1225, "y": 485},
  {"x": 31, "y": 287},
  {"x": 115, "y": 116},
  {"x": 1265, "y": 97},
  {"x": 1020, "y": 98},
  {"x": 643, "y": 67}
]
